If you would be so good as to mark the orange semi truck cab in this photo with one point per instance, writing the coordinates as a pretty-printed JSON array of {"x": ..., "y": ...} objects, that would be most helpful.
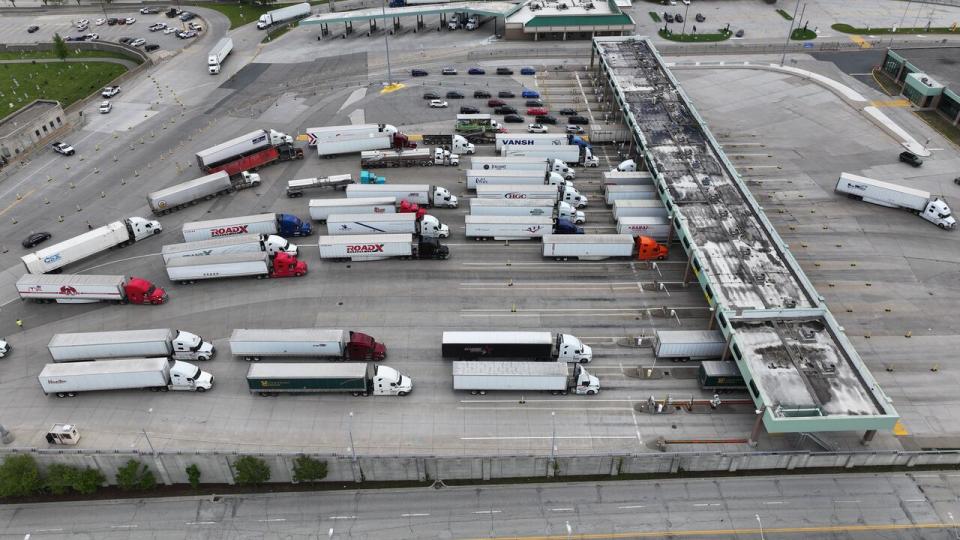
[{"x": 649, "y": 250}]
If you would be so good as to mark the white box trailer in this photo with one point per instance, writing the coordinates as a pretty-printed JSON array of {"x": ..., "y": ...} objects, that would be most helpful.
[
  {"x": 477, "y": 177},
  {"x": 316, "y": 135},
  {"x": 593, "y": 247},
  {"x": 82, "y": 346},
  {"x": 930, "y": 208},
  {"x": 657, "y": 228},
  {"x": 627, "y": 178},
  {"x": 531, "y": 139},
  {"x": 421, "y": 194},
  {"x": 507, "y": 227},
  {"x": 218, "y": 54},
  {"x": 567, "y": 153},
  {"x": 295, "y": 188},
  {"x": 321, "y": 209},
  {"x": 523, "y": 163},
  {"x": 284, "y": 14},
  {"x": 642, "y": 208},
  {"x": 177, "y": 196},
  {"x": 244, "y": 243},
  {"x": 123, "y": 374},
  {"x": 189, "y": 269},
  {"x": 566, "y": 194},
  {"x": 118, "y": 233},
  {"x": 526, "y": 207},
  {"x": 553, "y": 377},
  {"x": 629, "y": 193},
  {"x": 254, "y": 344},
  {"x": 428, "y": 226},
  {"x": 689, "y": 344}
]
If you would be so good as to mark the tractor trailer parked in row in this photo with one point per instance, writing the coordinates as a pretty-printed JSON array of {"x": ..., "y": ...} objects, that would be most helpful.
[
  {"x": 175, "y": 344},
  {"x": 375, "y": 247},
  {"x": 255, "y": 344},
  {"x": 156, "y": 374},
  {"x": 597, "y": 247},
  {"x": 523, "y": 164},
  {"x": 683, "y": 345},
  {"x": 553, "y": 377},
  {"x": 279, "y": 224},
  {"x": 563, "y": 193},
  {"x": 321, "y": 209},
  {"x": 482, "y": 177},
  {"x": 420, "y": 157},
  {"x": 532, "y": 346},
  {"x": 88, "y": 288},
  {"x": 921, "y": 203},
  {"x": 244, "y": 243},
  {"x": 658, "y": 228},
  {"x": 516, "y": 227},
  {"x": 642, "y": 208},
  {"x": 116, "y": 234},
  {"x": 635, "y": 192},
  {"x": 426, "y": 226},
  {"x": 526, "y": 207},
  {"x": 422, "y": 194},
  {"x": 357, "y": 378},
  {"x": 295, "y": 188},
  {"x": 186, "y": 193},
  {"x": 259, "y": 265},
  {"x": 334, "y": 140}
]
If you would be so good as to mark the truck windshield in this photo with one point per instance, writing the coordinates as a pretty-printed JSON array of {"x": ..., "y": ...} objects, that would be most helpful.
[
  {"x": 285, "y": 246},
  {"x": 199, "y": 344},
  {"x": 151, "y": 289},
  {"x": 196, "y": 375}
]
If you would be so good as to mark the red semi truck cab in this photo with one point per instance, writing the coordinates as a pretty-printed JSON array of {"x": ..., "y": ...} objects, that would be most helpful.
[
  {"x": 401, "y": 141},
  {"x": 142, "y": 291},
  {"x": 649, "y": 250},
  {"x": 285, "y": 265},
  {"x": 407, "y": 207},
  {"x": 364, "y": 347}
]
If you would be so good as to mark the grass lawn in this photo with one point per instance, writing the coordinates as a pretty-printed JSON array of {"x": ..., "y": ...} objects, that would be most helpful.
[
  {"x": 848, "y": 29},
  {"x": 65, "y": 82},
  {"x": 785, "y": 15},
  {"x": 655, "y": 17},
  {"x": 695, "y": 38},
  {"x": 803, "y": 34},
  {"x": 940, "y": 124},
  {"x": 274, "y": 33},
  {"x": 241, "y": 14},
  {"x": 21, "y": 55}
]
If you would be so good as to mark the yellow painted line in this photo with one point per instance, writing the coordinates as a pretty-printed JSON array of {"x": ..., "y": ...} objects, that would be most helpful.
[
  {"x": 733, "y": 532},
  {"x": 392, "y": 88},
  {"x": 861, "y": 42},
  {"x": 899, "y": 430},
  {"x": 890, "y": 103},
  {"x": 16, "y": 202}
]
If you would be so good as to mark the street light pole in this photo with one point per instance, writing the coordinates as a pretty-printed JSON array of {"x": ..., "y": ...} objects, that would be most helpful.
[
  {"x": 761, "y": 525},
  {"x": 386, "y": 41},
  {"x": 553, "y": 439},
  {"x": 789, "y": 33},
  {"x": 685, "y": 15},
  {"x": 353, "y": 449}
]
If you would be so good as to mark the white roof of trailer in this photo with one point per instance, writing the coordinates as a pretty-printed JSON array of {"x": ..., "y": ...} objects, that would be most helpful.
[
  {"x": 498, "y": 337},
  {"x": 286, "y": 334}
]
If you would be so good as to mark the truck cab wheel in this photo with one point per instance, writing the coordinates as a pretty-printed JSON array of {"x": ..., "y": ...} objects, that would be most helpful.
[
  {"x": 584, "y": 361},
  {"x": 201, "y": 389},
  {"x": 357, "y": 394},
  {"x": 61, "y": 395},
  {"x": 474, "y": 392},
  {"x": 591, "y": 392},
  {"x": 401, "y": 394},
  {"x": 164, "y": 389}
]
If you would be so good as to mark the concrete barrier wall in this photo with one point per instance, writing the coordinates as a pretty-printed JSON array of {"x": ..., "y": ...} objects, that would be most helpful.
[{"x": 217, "y": 468}]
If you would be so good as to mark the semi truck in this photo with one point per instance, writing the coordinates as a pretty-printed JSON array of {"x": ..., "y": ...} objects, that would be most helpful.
[
  {"x": 526, "y": 207},
  {"x": 568, "y": 153},
  {"x": 420, "y": 157},
  {"x": 720, "y": 376},
  {"x": 186, "y": 193},
  {"x": 426, "y": 226},
  {"x": 553, "y": 377},
  {"x": 456, "y": 144},
  {"x": 243, "y": 243},
  {"x": 317, "y": 135},
  {"x": 535, "y": 346},
  {"x": 260, "y": 265},
  {"x": 921, "y": 203},
  {"x": 156, "y": 374},
  {"x": 88, "y": 288},
  {"x": 523, "y": 164},
  {"x": 375, "y": 247},
  {"x": 175, "y": 344},
  {"x": 627, "y": 178},
  {"x": 563, "y": 193},
  {"x": 321, "y": 209},
  {"x": 422, "y": 194},
  {"x": 480, "y": 177},
  {"x": 296, "y": 188},
  {"x": 477, "y": 127},
  {"x": 357, "y": 378},
  {"x": 218, "y": 54},
  {"x": 282, "y": 15},
  {"x": 683, "y": 345},
  {"x": 334, "y": 140},
  {"x": 116, "y": 234},
  {"x": 616, "y": 193},
  {"x": 597, "y": 247},
  {"x": 248, "y": 152},
  {"x": 638, "y": 208},
  {"x": 516, "y": 227},
  {"x": 255, "y": 344},
  {"x": 627, "y": 165},
  {"x": 531, "y": 139},
  {"x": 658, "y": 228},
  {"x": 278, "y": 224}
]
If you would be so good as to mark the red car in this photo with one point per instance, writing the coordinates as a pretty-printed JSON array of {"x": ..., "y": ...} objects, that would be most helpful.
[
  {"x": 495, "y": 103},
  {"x": 537, "y": 111}
]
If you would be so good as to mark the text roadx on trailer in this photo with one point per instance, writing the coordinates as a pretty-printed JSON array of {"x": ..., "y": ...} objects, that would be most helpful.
[
  {"x": 526, "y": 207},
  {"x": 689, "y": 344},
  {"x": 523, "y": 163},
  {"x": 396, "y": 223},
  {"x": 375, "y": 247},
  {"x": 359, "y": 379},
  {"x": 536, "y": 346},
  {"x": 321, "y": 209},
  {"x": 563, "y": 193},
  {"x": 596, "y": 247},
  {"x": 244, "y": 243},
  {"x": 477, "y": 177},
  {"x": 295, "y": 188},
  {"x": 118, "y": 233},
  {"x": 254, "y": 344},
  {"x": 258, "y": 265},
  {"x": 555, "y": 377},
  {"x": 154, "y": 374},
  {"x": 177, "y": 344},
  {"x": 87, "y": 288},
  {"x": 422, "y": 194},
  {"x": 930, "y": 208},
  {"x": 281, "y": 224},
  {"x": 186, "y": 193},
  {"x": 657, "y": 228},
  {"x": 516, "y": 227}
]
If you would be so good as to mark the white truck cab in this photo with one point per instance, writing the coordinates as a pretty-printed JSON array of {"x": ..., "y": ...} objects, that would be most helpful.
[
  {"x": 190, "y": 346},
  {"x": 573, "y": 197},
  {"x": 445, "y": 157},
  {"x": 461, "y": 146},
  {"x": 143, "y": 228},
  {"x": 586, "y": 383},
  {"x": 390, "y": 382},
  {"x": 938, "y": 213},
  {"x": 628, "y": 165},
  {"x": 431, "y": 227},
  {"x": 565, "y": 210},
  {"x": 4, "y": 348},
  {"x": 571, "y": 349},
  {"x": 590, "y": 160},
  {"x": 444, "y": 199},
  {"x": 186, "y": 376}
]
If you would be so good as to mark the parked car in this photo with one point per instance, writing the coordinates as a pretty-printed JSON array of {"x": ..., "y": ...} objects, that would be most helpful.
[
  {"x": 169, "y": 30},
  {"x": 110, "y": 91},
  {"x": 125, "y": 40},
  {"x": 469, "y": 110},
  {"x": 578, "y": 120},
  {"x": 129, "y": 20},
  {"x": 195, "y": 26},
  {"x": 530, "y": 94},
  {"x": 678, "y": 17},
  {"x": 574, "y": 129},
  {"x": 105, "y": 107},
  {"x": 506, "y": 109},
  {"x": 536, "y": 128},
  {"x": 534, "y": 103},
  {"x": 137, "y": 42},
  {"x": 528, "y": 71},
  {"x": 495, "y": 103},
  {"x": 476, "y": 71},
  {"x": 172, "y": 12},
  {"x": 121, "y": 20},
  {"x": 100, "y": 21},
  {"x": 700, "y": 17},
  {"x": 186, "y": 35},
  {"x": 449, "y": 71},
  {"x": 504, "y": 71},
  {"x": 506, "y": 94},
  {"x": 546, "y": 119},
  {"x": 668, "y": 16},
  {"x": 537, "y": 111},
  {"x": 111, "y": 21},
  {"x": 149, "y": 10},
  {"x": 157, "y": 26},
  {"x": 453, "y": 94},
  {"x": 481, "y": 94},
  {"x": 418, "y": 73},
  {"x": 75, "y": 38},
  {"x": 911, "y": 158},
  {"x": 567, "y": 111},
  {"x": 431, "y": 95},
  {"x": 32, "y": 29},
  {"x": 739, "y": 33},
  {"x": 36, "y": 238},
  {"x": 91, "y": 36},
  {"x": 187, "y": 16},
  {"x": 151, "y": 47},
  {"x": 513, "y": 119},
  {"x": 82, "y": 22},
  {"x": 63, "y": 148},
  {"x": 438, "y": 104}
]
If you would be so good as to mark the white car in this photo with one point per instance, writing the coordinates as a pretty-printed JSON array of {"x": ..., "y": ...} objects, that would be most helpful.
[
  {"x": 82, "y": 23},
  {"x": 91, "y": 37},
  {"x": 195, "y": 26},
  {"x": 100, "y": 21},
  {"x": 110, "y": 91},
  {"x": 685, "y": 2},
  {"x": 169, "y": 30},
  {"x": 137, "y": 42},
  {"x": 105, "y": 107},
  {"x": 157, "y": 26},
  {"x": 536, "y": 128},
  {"x": 438, "y": 104},
  {"x": 130, "y": 20}
]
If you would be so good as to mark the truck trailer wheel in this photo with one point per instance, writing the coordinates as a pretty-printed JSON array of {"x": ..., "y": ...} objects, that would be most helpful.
[{"x": 61, "y": 395}]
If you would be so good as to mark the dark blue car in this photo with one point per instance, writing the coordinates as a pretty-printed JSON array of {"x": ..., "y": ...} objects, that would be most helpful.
[
  {"x": 528, "y": 71},
  {"x": 476, "y": 71},
  {"x": 532, "y": 94},
  {"x": 419, "y": 73}
]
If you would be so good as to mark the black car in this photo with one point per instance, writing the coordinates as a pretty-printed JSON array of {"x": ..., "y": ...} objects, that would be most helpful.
[
  {"x": 481, "y": 94},
  {"x": 418, "y": 73},
  {"x": 469, "y": 110},
  {"x": 35, "y": 238},
  {"x": 125, "y": 40},
  {"x": 700, "y": 17},
  {"x": 739, "y": 33},
  {"x": 151, "y": 47},
  {"x": 172, "y": 12},
  {"x": 578, "y": 120},
  {"x": 568, "y": 111},
  {"x": 504, "y": 71},
  {"x": 505, "y": 110},
  {"x": 431, "y": 95},
  {"x": 112, "y": 21},
  {"x": 187, "y": 16},
  {"x": 32, "y": 29},
  {"x": 678, "y": 18},
  {"x": 546, "y": 119},
  {"x": 668, "y": 17},
  {"x": 534, "y": 103},
  {"x": 513, "y": 119},
  {"x": 911, "y": 158},
  {"x": 506, "y": 94},
  {"x": 453, "y": 94}
]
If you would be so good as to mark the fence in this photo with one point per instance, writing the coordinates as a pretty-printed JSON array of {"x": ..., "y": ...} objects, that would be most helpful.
[{"x": 217, "y": 467}]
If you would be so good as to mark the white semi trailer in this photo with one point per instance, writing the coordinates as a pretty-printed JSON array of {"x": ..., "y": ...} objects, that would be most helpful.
[
  {"x": 427, "y": 226},
  {"x": 155, "y": 374},
  {"x": 175, "y": 344},
  {"x": 921, "y": 203},
  {"x": 566, "y": 194},
  {"x": 553, "y": 377},
  {"x": 422, "y": 194},
  {"x": 321, "y": 209},
  {"x": 244, "y": 243},
  {"x": 526, "y": 207},
  {"x": 118, "y": 233}
]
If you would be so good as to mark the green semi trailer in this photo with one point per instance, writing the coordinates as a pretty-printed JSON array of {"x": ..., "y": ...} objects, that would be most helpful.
[{"x": 357, "y": 378}]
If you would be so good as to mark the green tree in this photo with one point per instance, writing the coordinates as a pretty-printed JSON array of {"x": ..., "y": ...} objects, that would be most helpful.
[
  {"x": 251, "y": 471},
  {"x": 60, "y": 47},
  {"x": 19, "y": 476},
  {"x": 193, "y": 475},
  {"x": 307, "y": 469},
  {"x": 60, "y": 479},
  {"x": 135, "y": 476},
  {"x": 88, "y": 481}
]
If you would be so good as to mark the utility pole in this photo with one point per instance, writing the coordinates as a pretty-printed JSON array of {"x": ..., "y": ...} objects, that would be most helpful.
[
  {"x": 386, "y": 41},
  {"x": 789, "y": 33}
]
